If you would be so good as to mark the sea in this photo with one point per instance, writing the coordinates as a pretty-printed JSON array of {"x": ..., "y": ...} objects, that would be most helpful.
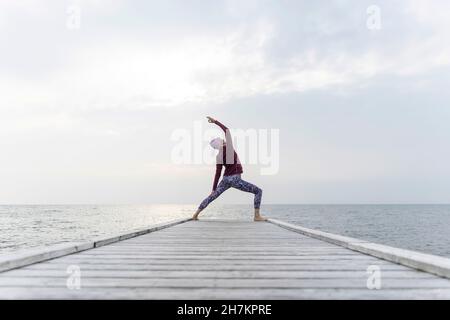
[{"x": 419, "y": 227}]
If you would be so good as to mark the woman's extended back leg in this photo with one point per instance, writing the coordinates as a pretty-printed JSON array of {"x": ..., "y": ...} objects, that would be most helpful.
[{"x": 223, "y": 186}]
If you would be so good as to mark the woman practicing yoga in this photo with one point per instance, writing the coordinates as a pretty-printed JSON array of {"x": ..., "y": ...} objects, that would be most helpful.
[{"x": 232, "y": 176}]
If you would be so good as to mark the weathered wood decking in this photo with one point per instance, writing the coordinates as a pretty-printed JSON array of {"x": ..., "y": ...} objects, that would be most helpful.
[{"x": 220, "y": 260}]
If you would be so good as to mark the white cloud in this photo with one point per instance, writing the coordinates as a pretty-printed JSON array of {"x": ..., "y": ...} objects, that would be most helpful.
[{"x": 215, "y": 67}]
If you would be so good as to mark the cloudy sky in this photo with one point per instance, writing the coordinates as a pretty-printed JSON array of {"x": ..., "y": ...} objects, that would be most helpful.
[{"x": 87, "y": 110}]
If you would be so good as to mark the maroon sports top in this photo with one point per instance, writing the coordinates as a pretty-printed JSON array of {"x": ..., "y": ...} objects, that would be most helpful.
[{"x": 227, "y": 157}]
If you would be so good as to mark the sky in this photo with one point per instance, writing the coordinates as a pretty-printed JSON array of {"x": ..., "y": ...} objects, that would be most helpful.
[{"x": 91, "y": 93}]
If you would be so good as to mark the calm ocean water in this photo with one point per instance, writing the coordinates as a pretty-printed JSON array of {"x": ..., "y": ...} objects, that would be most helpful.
[{"x": 423, "y": 228}]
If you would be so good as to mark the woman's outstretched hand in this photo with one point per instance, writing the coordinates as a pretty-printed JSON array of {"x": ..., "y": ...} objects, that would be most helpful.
[{"x": 211, "y": 120}]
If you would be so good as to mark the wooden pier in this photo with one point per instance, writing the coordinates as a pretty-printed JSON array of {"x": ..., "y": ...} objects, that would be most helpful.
[{"x": 218, "y": 259}]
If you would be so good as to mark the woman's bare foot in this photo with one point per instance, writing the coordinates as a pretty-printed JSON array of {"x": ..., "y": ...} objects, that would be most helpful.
[
  {"x": 195, "y": 216},
  {"x": 260, "y": 218}
]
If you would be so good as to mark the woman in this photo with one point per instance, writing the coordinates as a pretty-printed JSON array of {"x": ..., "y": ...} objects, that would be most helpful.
[{"x": 232, "y": 176}]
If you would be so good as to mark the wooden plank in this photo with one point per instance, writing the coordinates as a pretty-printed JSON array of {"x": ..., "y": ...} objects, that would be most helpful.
[
  {"x": 213, "y": 254},
  {"x": 27, "y": 282},
  {"x": 362, "y": 263},
  {"x": 278, "y": 252},
  {"x": 211, "y": 274},
  {"x": 216, "y": 267},
  {"x": 237, "y": 249},
  {"x": 151, "y": 257},
  {"x": 220, "y": 293}
]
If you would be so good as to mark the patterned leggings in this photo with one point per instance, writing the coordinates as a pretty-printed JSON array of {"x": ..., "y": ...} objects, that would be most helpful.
[{"x": 234, "y": 181}]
